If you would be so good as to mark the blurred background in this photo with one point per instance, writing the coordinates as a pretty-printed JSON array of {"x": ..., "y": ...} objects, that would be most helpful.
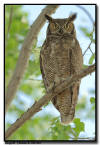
[{"x": 45, "y": 125}]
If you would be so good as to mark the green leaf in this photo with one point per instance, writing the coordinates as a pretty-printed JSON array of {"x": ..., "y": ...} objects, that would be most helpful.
[
  {"x": 92, "y": 100},
  {"x": 79, "y": 126},
  {"x": 85, "y": 31},
  {"x": 92, "y": 59}
]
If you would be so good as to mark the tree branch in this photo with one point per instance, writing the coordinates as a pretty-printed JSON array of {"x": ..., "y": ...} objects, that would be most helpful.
[
  {"x": 87, "y": 48},
  {"x": 36, "y": 107},
  {"x": 25, "y": 53}
]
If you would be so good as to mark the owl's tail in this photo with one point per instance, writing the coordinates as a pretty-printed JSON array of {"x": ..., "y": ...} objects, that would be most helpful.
[
  {"x": 66, "y": 119},
  {"x": 69, "y": 118}
]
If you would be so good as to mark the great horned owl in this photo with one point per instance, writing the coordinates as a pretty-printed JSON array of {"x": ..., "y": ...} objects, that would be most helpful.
[{"x": 60, "y": 58}]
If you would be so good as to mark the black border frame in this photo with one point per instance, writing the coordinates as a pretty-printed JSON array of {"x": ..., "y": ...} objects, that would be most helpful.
[{"x": 96, "y": 89}]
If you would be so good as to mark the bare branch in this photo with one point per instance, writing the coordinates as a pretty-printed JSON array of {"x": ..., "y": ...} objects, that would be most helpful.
[
  {"x": 36, "y": 107},
  {"x": 87, "y": 48},
  {"x": 91, "y": 51},
  {"x": 25, "y": 53}
]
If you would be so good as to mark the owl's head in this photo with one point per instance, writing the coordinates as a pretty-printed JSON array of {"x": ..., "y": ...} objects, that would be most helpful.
[{"x": 61, "y": 26}]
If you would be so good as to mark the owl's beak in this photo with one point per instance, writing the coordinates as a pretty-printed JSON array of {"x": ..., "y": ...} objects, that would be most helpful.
[{"x": 60, "y": 31}]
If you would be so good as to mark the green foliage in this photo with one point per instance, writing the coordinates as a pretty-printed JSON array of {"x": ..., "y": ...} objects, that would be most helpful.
[
  {"x": 61, "y": 132},
  {"x": 87, "y": 33},
  {"x": 34, "y": 129},
  {"x": 18, "y": 28},
  {"x": 79, "y": 127},
  {"x": 92, "y": 100},
  {"x": 92, "y": 59}
]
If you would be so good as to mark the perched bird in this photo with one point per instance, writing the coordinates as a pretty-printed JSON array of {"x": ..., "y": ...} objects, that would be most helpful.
[{"x": 60, "y": 58}]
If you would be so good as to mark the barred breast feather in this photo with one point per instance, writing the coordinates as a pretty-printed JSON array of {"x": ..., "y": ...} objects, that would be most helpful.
[{"x": 60, "y": 59}]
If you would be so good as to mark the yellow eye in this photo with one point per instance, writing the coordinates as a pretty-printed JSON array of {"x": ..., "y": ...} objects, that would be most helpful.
[
  {"x": 68, "y": 27},
  {"x": 53, "y": 26}
]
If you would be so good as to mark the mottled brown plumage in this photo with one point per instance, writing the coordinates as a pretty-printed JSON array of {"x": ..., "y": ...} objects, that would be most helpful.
[{"x": 60, "y": 58}]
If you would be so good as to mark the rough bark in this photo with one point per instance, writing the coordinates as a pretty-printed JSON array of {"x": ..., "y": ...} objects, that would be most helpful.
[{"x": 36, "y": 107}]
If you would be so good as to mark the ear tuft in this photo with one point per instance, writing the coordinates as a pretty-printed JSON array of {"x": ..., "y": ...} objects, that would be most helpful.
[
  {"x": 48, "y": 17},
  {"x": 73, "y": 17}
]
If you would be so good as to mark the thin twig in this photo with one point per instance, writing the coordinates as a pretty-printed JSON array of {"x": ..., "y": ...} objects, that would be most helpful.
[
  {"x": 87, "y": 48},
  {"x": 91, "y": 50},
  {"x": 46, "y": 98},
  {"x": 25, "y": 53}
]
